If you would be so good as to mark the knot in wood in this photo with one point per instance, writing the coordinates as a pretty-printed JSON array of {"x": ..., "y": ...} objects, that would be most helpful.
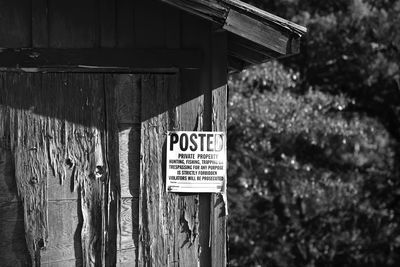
[
  {"x": 69, "y": 163},
  {"x": 99, "y": 172},
  {"x": 33, "y": 180}
]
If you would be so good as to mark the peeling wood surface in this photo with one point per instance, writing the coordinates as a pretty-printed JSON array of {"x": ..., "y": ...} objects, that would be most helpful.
[
  {"x": 196, "y": 114},
  {"x": 168, "y": 222},
  {"x": 219, "y": 105},
  {"x": 52, "y": 123},
  {"x": 90, "y": 170},
  {"x": 89, "y": 147}
]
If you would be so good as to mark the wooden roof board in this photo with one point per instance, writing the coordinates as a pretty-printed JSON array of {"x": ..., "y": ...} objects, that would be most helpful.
[
  {"x": 276, "y": 36},
  {"x": 295, "y": 28}
]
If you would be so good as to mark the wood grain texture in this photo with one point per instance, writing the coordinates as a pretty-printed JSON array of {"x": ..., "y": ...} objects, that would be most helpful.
[
  {"x": 195, "y": 114},
  {"x": 127, "y": 90},
  {"x": 64, "y": 227},
  {"x": 129, "y": 157},
  {"x": 28, "y": 146},
  {"x": 53, "y": 123},
  {"x": 219, "y": 106},
  {"x": 124, "y": 115},
  {"x": 168, "y": 222},
  {"x": 258, "y": 32},
  {"x": 152, "y": 224},
  {"x": 265, "y": 16},
  {"x": 13, "y": 250}
]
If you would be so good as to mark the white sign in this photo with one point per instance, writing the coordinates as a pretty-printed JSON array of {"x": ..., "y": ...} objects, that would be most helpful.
[{"x": 196, "y": 162}]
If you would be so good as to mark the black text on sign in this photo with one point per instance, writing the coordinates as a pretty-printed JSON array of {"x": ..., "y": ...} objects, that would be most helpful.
[{"x": 196, "y": 162}]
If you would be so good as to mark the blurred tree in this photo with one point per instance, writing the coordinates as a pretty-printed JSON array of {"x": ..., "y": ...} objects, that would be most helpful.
[{"x": 314, "y": 140}]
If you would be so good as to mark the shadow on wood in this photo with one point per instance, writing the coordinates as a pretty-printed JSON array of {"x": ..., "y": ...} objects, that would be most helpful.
[{"x": 84, "y": 139}]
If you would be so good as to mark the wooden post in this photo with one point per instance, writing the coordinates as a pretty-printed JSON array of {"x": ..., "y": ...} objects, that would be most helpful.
[{"x": 219, "y": 123}]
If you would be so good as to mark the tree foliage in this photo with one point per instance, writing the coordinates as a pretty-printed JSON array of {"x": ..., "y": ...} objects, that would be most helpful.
[{"x": 313, "y": 142}]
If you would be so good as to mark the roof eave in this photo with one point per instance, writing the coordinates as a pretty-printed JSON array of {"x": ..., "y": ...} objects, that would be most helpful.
[{"x": 256, "y": 35}]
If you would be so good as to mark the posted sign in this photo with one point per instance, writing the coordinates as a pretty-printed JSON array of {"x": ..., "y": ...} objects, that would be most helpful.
[{"x": 196, "y": 162}]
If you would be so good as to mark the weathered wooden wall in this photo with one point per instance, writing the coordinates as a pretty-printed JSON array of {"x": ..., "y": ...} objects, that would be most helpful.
[
  {"x": 88, "y": 24},
  {"x": 53, "y": 124},
  {"x": 85, "y": 151}
]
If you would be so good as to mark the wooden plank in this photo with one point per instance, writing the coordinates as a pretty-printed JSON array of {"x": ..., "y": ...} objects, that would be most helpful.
[
  {"x": 126, "y": 258},
  {"x": 92, "y": 166},
  {"x": 98, "y": 58},
  {"x": 73, "y": 24},
  {"x": 64, "y": 233},
  {"x": 29, "y": 154},
  {"x": 127, "y": 90},
  {"x": 15, "y": 23},
  {"x": 262, "y": 15},
  {"x": 258, "y": 32},
  {"x": 8, "y": 187},
  {"x": 62, "y": 263},
  {"x": 149, "y": 24},
  {"x": 108, "y": 23},
  {"x": 152, "y": 222},
  {"x": 63, "y": 184},
  {"x": 127, "y": 111},
  {"x": 219, "y": 123},
  {"x": 129, "y": 227},
  {"x": 128, "y": 241},
  {"x": 125, "y": 23},
  {"x": 168, "y": 222},
  {"x": 195, "y": 115},
  {"x": 40, "y": 28},
  {"x": 112, "y": 200},
  {"x": 13, "y": 250},
  {"x": 124, "y": 119},
  {"x": 129, "y": 147},
  {"x": 256, "y": 25},
  {"x": 217, "y": 11},
  {"x": 55, "y": 123}
]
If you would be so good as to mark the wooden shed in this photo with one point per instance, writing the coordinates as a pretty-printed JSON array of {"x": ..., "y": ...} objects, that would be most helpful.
[{"x": 88, "y": 90}]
